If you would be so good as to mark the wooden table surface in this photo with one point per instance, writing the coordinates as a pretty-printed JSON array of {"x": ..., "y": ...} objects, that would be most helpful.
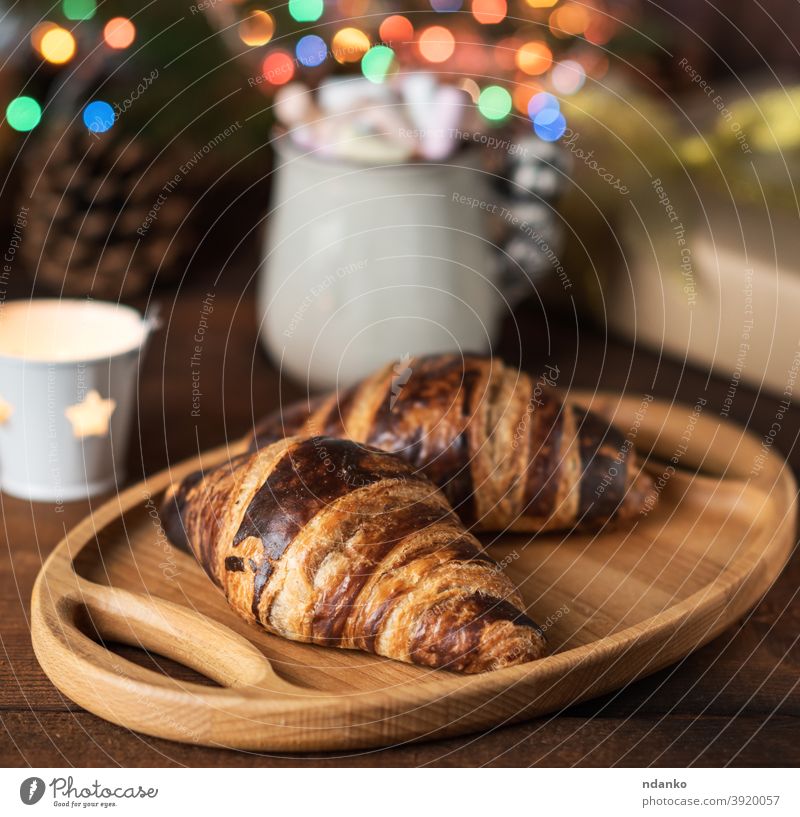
[{"x": 736, "y": 701}]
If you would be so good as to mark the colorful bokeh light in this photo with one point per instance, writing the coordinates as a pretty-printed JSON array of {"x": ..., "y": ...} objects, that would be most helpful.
[
  {"x": 98, "y": 116},
  {"x": 23, "y": 113},
  {"x": 396, "y": 30},
  {"x": 534, "y": 58},
  {"x": 349, "y": 45},
  {"x": 489, "y": 12},
  {"x": 79, "y": 9},
  {"x": 494, "y": 103},
  {"x": 436, "y": 44},
  {"x": 377, "y": 63},
  {"x": 569, "y": 20},
  {"x": 311, "y": 51},
  {"x": 541, "y": 4},
  {"x": 57, "y": 45},
  {"x": 540, "y": 102},
  {"x": 278, "y": 68},
  {"x": 549, "y": 124},
  {"x": 446, "y": 6},
  {"x": 257, "y": 28},
  {"x": 306, "y": 11},
  {"x": 568, "y": 77},
  {"x": 119, "y": 33}
]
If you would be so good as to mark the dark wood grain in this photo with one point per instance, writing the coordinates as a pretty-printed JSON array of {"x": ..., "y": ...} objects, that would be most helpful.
[{"x": 734, "y": 702}]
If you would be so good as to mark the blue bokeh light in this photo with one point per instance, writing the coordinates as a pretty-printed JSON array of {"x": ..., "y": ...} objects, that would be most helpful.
[
  {"x": 98, "y": 117},
  {"x": 549, "y": 124},
  {"x": 311, "y": 51}
]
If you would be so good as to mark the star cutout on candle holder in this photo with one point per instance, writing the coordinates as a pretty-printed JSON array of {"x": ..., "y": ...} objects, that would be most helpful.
[
  {"x": 91, "y": 418},
  {"x": 6, "y": 410}
]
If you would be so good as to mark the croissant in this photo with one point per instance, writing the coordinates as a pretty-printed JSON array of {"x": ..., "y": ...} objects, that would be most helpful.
[
  {"x": 329, "y": 542},
  {"x": 508, "y": 452}
]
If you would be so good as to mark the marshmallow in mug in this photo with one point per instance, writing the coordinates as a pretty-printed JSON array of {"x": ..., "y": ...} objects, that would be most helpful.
[
  {"x": 67, "y": 394},
  {"x": 415, "y": 117}
]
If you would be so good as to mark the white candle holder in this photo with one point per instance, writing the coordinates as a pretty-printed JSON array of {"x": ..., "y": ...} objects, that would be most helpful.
[{"x": 68, "y": 373}]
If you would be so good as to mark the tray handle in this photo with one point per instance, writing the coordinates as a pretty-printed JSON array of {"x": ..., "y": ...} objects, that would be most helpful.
[{"x": 158, "y": 626}]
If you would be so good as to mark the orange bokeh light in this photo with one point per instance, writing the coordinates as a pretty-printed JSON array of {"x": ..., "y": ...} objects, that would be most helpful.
[
  {"x": 119, "y": 32},
  {"x": 534, "y": 58},
  {"x": 278, "y": 68},
  {"x": 396, "y": 30},
  {"x": 257, "y": 28},
  {"x": 489, "y": 12},
  {"x": 57, "y": 45},
  {"x": 572, "y": 19},
  {"x": 436, "y": 44},
  {"x": 349, "y": 45}
]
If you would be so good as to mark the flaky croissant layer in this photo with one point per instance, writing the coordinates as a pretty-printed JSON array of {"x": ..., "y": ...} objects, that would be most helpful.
[
  {"x": 508, "y": 452},
  {"x": 334, "y": 543}
]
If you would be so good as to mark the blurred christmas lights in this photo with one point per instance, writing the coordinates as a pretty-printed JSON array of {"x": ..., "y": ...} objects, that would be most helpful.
[
  {"x": 57, "y": 45},
  {"x": 377, "y": 62},
  {"x": 98, "y": 116},
  {"x": 494, "y": 103},
  {"x": 119, "y": 33},
  {"x": 257, "y": 28},
  {"x": 79, "y": 9},
  {"x": 311, "y": 51},
  {"x": 396, "y": 30},
  {"x": 23, "y": 113},
  {"x": 349, "y": 45},
  {"x": 436, "y": 44},
  {"x": 306, "y": 11}
]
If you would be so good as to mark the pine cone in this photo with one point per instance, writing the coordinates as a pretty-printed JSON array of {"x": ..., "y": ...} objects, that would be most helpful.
[{"x": 103, "y": 221}]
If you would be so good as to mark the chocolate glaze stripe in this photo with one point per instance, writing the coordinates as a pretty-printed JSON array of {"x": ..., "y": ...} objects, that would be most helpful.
[
  {"x": 601, "y": 447},
  {"x": 546, "y": 430},
  {"x": 431, "y": 386},
  {"x": 303, "y": 482}
]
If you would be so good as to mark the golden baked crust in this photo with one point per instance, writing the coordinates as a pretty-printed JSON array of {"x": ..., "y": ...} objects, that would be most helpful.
[
  {"x": 509, "y": 453},
  {"x": 327, "y": 541}
]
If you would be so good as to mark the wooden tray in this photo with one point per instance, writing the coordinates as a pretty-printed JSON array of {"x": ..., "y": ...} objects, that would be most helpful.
[{"x": 615, "y": 606}]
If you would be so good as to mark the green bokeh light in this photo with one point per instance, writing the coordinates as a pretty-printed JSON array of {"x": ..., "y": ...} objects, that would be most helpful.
[
  {"x": 79, "y": 9},
  {"x": 494, "y": 102},
  {"x": 23, "y": 113},
  {"x": 376, "y": 63},
  {"x": 306, "y": 11}
]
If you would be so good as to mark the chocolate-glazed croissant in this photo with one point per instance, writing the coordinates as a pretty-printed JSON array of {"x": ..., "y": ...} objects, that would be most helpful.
[
  {"x": 508, "y": 452},
  {"x": 326, "y": 541}
]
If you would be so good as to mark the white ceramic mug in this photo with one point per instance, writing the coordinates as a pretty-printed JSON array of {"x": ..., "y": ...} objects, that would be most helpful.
[
  {"x": 366, "y": 263},
  {"x": 68, "y": 373}
]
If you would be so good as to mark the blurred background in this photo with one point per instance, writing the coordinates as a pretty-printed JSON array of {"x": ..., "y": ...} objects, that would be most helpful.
[{"x": 347, "y": 181}]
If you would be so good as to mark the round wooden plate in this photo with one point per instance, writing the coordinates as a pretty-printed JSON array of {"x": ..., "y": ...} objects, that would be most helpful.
[{"x": 615, "y": 606}]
